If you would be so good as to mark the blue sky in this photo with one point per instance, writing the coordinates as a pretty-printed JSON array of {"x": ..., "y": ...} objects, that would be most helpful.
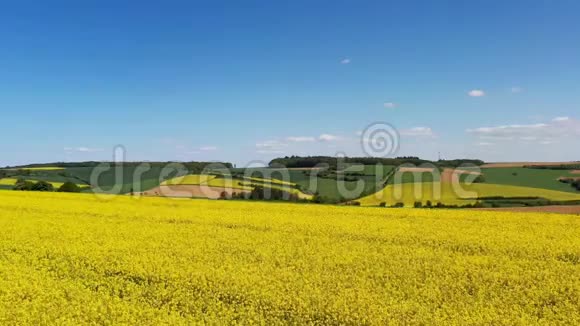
[{"x": 249, "y": 81}]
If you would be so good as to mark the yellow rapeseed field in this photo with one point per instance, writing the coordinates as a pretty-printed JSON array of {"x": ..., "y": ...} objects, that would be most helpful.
[
  {"x": 409, "y": 193},
  {"x": 192, "y": 179},
  {"x": 74, "y": 258}
]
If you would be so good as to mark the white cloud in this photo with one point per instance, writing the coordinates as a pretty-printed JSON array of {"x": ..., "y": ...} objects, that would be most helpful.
[
  {"x": 508, "y": 132},
  {"x": 83, "y": 149},
  {"x": 561, "y": 119},
  {"x": 300, "y": 139},
  {"x": 540, "y": 133},
  {"x": 547, "y": 142},
  {"x": 390, "y": 105},
  {"x": 345, "y": 61},
  {"x": 270, "y": 147},
  {"x": 516, "y": 89},
  {"x": 484, "y": 143},
  {"x": 476, "y": 93},
  {"x": 208, "y": 148},
  {"x": 328, "y": 137},
  {"x": 417, "y": 132}
]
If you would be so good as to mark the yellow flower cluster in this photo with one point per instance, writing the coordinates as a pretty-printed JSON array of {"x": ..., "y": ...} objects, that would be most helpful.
[{"x": 74, "y": 258}]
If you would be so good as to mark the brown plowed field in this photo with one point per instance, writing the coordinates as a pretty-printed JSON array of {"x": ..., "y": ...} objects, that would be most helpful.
[
  {"x": 451, "y": 175},
  {"x": 190, "y": 191}
]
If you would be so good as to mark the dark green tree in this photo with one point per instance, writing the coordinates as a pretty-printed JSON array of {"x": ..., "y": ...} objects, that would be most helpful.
[
  {"x": 23, "y": 185},
  {"x": 42, "y": 186},
  {"x": 69, "y": 187}
]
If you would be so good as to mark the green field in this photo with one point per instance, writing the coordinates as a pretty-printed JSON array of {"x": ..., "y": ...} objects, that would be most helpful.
[
  {"x": 413, "y": 177},
  {"x": 120, "y": 179},
  {"x": 46, "y": 168},
  {"x": 525, "y": 177},
  {"x": 309, "y": 181}
]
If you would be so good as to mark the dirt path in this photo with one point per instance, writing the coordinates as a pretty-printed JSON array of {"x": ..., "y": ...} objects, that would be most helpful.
[{"x": 560, "y": 209}]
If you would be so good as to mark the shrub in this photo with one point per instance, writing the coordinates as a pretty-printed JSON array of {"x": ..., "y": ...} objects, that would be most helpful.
[
  {"x": 478, "y": 205},
  {"x": 428, "y": 204},
  {"x": 69, "y": 187},
  {"x": 399, "y": 205},
  {"x": 224, "y": 195},
  {"x": 418, "y": 204},
  {"x": 23, "y": 185},
  {"x": 42, "y": 186},
  {"x": 383, "y": 204}
]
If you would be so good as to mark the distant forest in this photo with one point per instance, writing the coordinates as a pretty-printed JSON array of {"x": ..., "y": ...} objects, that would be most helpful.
[
  {"x": 312, "y": 161},
  {"x": 193, "y": 167}
]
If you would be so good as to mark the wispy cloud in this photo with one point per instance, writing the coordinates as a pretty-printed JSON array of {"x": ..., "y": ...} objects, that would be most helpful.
[
  {"x": 540, "y": 133},
  {"x": 300, "y": 139},
  {"x": 476, "y": 93},
  {"x": 271, "y": 147},
  {"x": 561, "y": 119},
  {"x": 83, "y": 149},
  {"x": 208, "y": 148},
  {"x": 417, "y": 132},
  {"x": 516, "y": 89},
  {"x": 390, "y": 105},
  {"x": 345, "y": 61},
  {"x": 328, "y": 137}
]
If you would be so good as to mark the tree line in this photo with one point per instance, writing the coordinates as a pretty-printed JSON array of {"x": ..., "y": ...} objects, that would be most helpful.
[
  {"x": 25, "y": 185},
  {"x": 334, "y": 162}
]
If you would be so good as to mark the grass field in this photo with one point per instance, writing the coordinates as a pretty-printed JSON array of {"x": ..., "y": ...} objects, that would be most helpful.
[
  {"x": 328, "y": 187},
  {"x": 118, "y": 179},
  {"x": 75, "y": 259},
  {"x": 412, "y": 177},
  {"x": 427, "y": 191},
  {"x": 46, "y": 168},
  {"x": 524, "y": 177}
]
